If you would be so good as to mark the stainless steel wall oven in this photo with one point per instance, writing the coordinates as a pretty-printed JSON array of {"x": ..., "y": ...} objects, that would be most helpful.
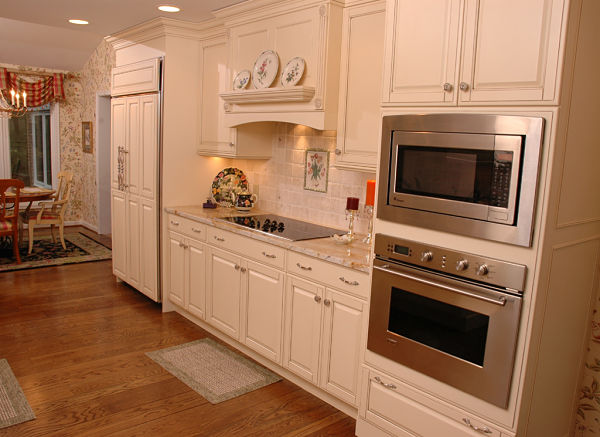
[
  {"x": 472, "y": 174},
  {"x": 450, "y": 315}
]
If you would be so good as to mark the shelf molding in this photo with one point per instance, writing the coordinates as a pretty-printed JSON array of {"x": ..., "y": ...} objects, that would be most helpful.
[{"x": 270, "y": 95}]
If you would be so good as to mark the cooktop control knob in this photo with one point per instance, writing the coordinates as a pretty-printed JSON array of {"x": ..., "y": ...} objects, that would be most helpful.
[
  {"x": 426, "y": 256},
  {"x": 482, "y": 270},
  {"x": 462, "y": 264}
]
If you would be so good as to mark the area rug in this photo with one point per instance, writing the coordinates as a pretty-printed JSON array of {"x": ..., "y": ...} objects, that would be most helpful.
[
  {"x": 80, "y": 248},
  {"x": 14, "y": 408},
  {"x": 212, "y": 370}
]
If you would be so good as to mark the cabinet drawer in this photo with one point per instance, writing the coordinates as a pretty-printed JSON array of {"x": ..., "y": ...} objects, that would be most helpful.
[
  {"x": 399, "y": 414},
  {"x": 351, "y": 281},
  {"x": 249, "y": 248},
  {"x": 187, "y": 227}
]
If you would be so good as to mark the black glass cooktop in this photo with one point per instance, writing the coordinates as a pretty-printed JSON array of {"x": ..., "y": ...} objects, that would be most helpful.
[{"x": 283, "y": 227}]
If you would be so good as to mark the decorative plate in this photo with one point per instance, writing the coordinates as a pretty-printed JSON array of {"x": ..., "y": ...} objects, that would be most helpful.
[
  {"x": 227, "y": 181},
  {"x": 292, "y": 72},
  {"x": 265, "y": 69},
  {"x": 242, "y": 79}
]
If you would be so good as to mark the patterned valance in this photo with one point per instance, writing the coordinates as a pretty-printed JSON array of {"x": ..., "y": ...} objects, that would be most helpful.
[{"x": 45, "y": 90}]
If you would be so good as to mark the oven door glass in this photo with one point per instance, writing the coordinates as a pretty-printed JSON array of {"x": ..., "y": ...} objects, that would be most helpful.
[{"x": 448, "y": 328}]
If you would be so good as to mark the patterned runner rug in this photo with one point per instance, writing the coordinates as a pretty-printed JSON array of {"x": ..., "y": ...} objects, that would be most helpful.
[
  {"x": 212, "y": 370},
  {"x": 80, "y": 248},
  {"x": 14, "y": 408}
]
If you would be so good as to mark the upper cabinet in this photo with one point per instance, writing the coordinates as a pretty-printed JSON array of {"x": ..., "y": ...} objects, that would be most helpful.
[
  {"x": 136, "y": 78},
  {"x": 359, "y": 118},
  {"x": 306, "y": 29},
  {"x": 472, "y": 52},
  {"x": 215, "y": 138}
]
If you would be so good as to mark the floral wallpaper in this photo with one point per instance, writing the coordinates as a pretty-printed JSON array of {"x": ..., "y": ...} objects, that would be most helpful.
[
  {"x": 94, "y": 79},
  {"x": 587, "y": 422}
]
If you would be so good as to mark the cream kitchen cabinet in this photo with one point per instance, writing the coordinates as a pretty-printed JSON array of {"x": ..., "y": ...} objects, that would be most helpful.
[
  {"x": 214, "y": 137},
  {"x": 471, "y": 52},
  {"x": 134, "y": 160},
  {"x": 359, "y": 119},
  {"x": 187, "y": 266},
  {"x": 401, "y": 410},
  {"x": 306, "y": 29},
  {"x": 324, "y": 326},
  {"x": 245, "y": 298}
]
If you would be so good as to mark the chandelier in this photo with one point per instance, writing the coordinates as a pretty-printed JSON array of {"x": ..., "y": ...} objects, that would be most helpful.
[{"x": 13, "y": 106}]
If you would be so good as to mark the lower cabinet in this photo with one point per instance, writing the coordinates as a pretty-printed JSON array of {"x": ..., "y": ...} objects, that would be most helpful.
[
  {"x": 224, "y": 288},
  {"x": 187, "y": 274},
  {"x": 323, "y": 337},
  {"x": 262, "y": 297},
  {"x": 401, "y": 410}
]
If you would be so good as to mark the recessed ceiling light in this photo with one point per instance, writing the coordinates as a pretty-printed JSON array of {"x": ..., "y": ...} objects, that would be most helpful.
[
  {"x": 78, "y": 22},
  {"x": 169, "y": 8}
]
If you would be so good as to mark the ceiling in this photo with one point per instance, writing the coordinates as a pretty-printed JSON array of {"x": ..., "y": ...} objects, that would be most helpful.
[{"x": 37, "y": 33}]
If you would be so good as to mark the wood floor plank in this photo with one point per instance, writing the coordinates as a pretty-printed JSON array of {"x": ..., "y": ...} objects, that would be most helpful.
[{"x": 76, "y": 340}]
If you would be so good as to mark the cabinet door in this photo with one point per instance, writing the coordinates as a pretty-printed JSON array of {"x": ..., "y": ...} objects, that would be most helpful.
[
  {"x": 133, "y": 242},
  {"x": 119, "y": 234},
  {"x": 342, "y": 328},
  {"x": 215, "y": 137},
  {"x": 177, "y": 269},
  {"x": 263, "y": 304},
  {"x": 197, "y": 278},
  {"x": 360, "y": 86},
  {"x": 224, "y": 287},
  {"x": 304, "y": 308},
  {"x": 148, "y": 151},
  {"x": 118, "y": 121},
  {"x": 148, "y": 249},
  {"x": 421, "y": 54},
  {"x": 510, "y": 50},
  {"x": 132, "y": 145}
]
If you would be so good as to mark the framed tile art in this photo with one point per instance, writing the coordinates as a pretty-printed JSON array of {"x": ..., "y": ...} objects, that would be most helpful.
[{"x": 316, "y": 170}]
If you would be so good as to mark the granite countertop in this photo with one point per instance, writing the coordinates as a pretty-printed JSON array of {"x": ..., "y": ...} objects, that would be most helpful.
[{"x": 356, "y": 255}]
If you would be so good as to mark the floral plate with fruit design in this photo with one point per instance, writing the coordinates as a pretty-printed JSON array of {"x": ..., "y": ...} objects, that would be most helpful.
[
  {"x": 227, "y": 181},
  {"x": 265, "y": 69}
]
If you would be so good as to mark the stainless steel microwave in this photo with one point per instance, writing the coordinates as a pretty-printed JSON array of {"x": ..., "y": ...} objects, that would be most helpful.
[{"x": 471, "y": 174}]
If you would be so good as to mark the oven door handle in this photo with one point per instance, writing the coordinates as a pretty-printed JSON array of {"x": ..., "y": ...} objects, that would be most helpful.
[{"x": 385, "y": 268}]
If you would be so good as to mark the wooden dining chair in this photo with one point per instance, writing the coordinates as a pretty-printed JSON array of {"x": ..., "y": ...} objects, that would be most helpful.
[
  {"x": 52, "y": 212},
  {"x": 9, "y": 213}
]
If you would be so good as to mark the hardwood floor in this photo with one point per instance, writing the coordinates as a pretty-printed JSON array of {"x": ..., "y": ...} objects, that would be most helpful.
[{"x": 76, "y": 341}]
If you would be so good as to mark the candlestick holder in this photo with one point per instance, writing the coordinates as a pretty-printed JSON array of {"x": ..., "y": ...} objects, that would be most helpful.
[
  {"x": 369, "y": 212},
  {"x": 351, "y": 214}
]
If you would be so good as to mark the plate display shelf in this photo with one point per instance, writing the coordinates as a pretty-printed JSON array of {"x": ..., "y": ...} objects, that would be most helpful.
[{"x": 298, "y": 93}]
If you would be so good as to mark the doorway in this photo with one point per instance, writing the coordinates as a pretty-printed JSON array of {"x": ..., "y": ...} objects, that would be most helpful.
[{"x": 103, "y": 162}]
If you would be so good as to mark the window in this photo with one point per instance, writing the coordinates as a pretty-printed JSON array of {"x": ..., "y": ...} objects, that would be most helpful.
[{"x": 29, "y": 147}]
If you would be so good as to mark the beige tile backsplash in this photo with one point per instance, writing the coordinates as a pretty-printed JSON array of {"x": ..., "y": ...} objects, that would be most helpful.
[{"x": 280, "y": 180}]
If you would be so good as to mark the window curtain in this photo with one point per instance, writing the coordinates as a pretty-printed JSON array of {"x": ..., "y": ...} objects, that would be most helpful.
[{"x": 45, "y": 90}]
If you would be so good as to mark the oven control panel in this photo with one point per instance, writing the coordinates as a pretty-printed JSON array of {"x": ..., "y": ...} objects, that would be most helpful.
[{"x": 461, "y": 264}]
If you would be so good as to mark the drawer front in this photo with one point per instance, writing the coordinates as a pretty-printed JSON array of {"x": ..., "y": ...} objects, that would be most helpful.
[
  {"x": 187, "y": 227},
  {"x": 398, "y": 414},
  {"x": 351, "y": 281},
  {"x": 248, "y": 247}
]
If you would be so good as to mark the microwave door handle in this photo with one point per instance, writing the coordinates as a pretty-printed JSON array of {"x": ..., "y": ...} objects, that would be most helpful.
[{"x": 499, "y": 301}]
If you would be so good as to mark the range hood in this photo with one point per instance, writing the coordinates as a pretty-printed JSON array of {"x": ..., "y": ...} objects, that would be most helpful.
[{"x": 310, "y": 30}]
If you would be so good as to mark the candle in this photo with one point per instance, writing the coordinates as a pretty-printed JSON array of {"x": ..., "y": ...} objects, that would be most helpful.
[
  {"x": 352, "y": 203},
  {"x": 24, "y": 98},
  {"x": 18, "y": 99},
  {"x": 12, "y": 95},
  {"x": 370, "y": 199}
]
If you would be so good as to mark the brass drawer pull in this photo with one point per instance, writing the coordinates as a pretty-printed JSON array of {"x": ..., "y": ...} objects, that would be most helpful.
[
  {"x": 269, "y": 255},
  {"x": 174, "y": 223},
  {"x": 309, "y": 268},
  {"x": 345, "y": 281},
  {"x": 196, "y": 230},
  {"x": 218, "y": 238}
]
